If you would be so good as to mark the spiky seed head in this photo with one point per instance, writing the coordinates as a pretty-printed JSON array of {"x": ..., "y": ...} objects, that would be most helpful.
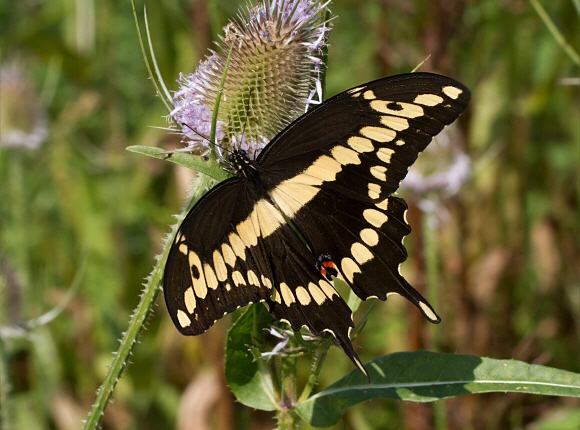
[{"x": 273, "y": 74}]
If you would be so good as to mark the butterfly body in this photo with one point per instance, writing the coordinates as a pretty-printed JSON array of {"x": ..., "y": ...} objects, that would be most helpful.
[{"x": 316, "y": 204}]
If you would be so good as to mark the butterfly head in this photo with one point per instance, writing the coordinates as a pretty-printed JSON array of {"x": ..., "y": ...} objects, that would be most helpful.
[{"x": 241, "y": 162}]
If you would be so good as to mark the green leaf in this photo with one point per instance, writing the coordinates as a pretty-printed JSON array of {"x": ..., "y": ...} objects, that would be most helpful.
[
  {"x": 209, "y": 167},
  {"x": 247, "y": 377},
  {"x": 426, "y": 376}
]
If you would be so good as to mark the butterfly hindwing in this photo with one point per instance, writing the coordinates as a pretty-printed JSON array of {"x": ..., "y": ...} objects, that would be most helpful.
[
  {"x": 365, "y": 242},
  {"x": 223, "y": 258}
]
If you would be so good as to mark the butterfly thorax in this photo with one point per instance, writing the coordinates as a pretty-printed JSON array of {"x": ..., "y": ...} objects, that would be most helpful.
[{"x": 243, "y": 165}]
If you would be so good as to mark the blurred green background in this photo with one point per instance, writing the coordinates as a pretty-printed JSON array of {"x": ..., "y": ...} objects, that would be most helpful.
[{"x": 80, "y": 214}]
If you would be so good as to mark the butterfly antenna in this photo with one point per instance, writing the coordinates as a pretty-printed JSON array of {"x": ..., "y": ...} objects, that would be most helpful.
[{"x": 204, "y": 137}]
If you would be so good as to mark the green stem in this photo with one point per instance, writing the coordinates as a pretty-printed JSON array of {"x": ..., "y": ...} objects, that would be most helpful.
[
  {"x": 216, "y": 108},
  {"x": 319, "y": 357},
  {"x": 120, "y": 360},
  {"x": 287, "y": 381},
  {"x": 158, "y": 83},
  {"x": 285, "y": 418},
  {"x": 432, "y": 267},
  {"x": 5, "y": 388},
  {"x": 555, "y": 32}
]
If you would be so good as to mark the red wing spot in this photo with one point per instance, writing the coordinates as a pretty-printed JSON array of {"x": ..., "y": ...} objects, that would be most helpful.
[{"x": 326, "y": 267}]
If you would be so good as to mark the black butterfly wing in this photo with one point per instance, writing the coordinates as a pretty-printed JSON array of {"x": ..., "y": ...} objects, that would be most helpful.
[
  {"x": 208, "y": 272},
  {"x": 333, "y": 171},
  {"x": 374, "y": 131},
  {"x": 233, "y": 248},
  {"x": 330, "y": 174}
]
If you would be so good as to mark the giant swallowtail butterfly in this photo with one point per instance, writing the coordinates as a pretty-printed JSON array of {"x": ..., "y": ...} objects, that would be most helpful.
[{"x": 316, "y": 203}]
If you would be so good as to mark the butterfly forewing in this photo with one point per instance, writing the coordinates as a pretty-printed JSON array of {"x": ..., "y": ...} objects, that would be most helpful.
[
  {"x": 375, "y": 131},
  {"x": 328, "y": 176},
  {"x": 208, "y": 271}
]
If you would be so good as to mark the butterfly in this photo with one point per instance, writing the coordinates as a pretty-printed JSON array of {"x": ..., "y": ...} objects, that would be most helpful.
[{"x": 316, "y": 204}]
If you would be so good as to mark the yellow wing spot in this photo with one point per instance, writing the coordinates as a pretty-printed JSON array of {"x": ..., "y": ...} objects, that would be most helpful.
[
  {"x": 374, "y": 217},
  {"x": 303, "y": 296},
  {"x": 327, "y": 288},
  {"x": 183, "y": 318},
  {"x": 229, "y": 256},
  {"x": 345, "y": 155},
  {"x": 374, "y": 190},
  {"x": 360, "y": 144},
  {"x": 255, "y": 223},
  {"x": 383, "y": 204},
  {"x": 316, "y": 293},
  {"x": 227, "y": 286},
  {"x": 349, "y": 268},
  {"x": 380, "y": 134},
  {"x": 198, "y": 278},
  {"x": 269, "y": 218},
  {"x": 237, "y": 245},
  {"x": 428, "y": 99},
  {"x": 238, "y": 279},
  {"x": 189, "y": 299},
  {"x": 428, "y": 311},
  {"x": 183, "y": 248},
  {"x": 400, "y": 142},
  {"x": 266, "y": 282},
  {"x": 305, "y": 179},
  {"x": 369, "y": 236},
  {"x": 452, "y": 92},
  {"x": 385, "y": 154},
  {"x": 407, "y": 110},
  {"x": 252, "y": 278},
  {"x": 247, "y": 233},
  {"x": 220, "y": 266},
  {"x": 395, "y": 122},
  {"x": 210, "y": 276},
  {"x": 361, "y": 253},
  {"x": 286, "y": 294},
  {"x": 291, "y": 197},
  {"x": 275, "y": 297},
  {"x": 325, "y": 168},
  {"x": 379, "y": 172},
  {"x": 369, "y": 95}
]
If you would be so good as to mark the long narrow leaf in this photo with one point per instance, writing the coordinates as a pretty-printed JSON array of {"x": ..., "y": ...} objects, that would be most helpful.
[
  {"x": 195, "y": 162},
  {"x": 426, "y": 376}
]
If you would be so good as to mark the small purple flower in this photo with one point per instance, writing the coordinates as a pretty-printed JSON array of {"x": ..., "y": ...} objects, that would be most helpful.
[
  {"x": 273, "y": 75},
  {"x": 442, "y": 169}
]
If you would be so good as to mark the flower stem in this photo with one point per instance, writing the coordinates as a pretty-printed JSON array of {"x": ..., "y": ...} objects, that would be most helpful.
[
  {"x": 319, "y": 357},
  {"x": 5, "y": 388},
  {"x": 555, "y": 32},
  {"x": 216, "y": 108},
  {"x": 432, "y": 268},
  {"x": 150, "y": 292}
]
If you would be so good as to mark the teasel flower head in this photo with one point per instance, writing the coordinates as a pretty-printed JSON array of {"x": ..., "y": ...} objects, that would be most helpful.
[
  {"x": 274, "y": 73},
  {"x": 22, "y": 116}
]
